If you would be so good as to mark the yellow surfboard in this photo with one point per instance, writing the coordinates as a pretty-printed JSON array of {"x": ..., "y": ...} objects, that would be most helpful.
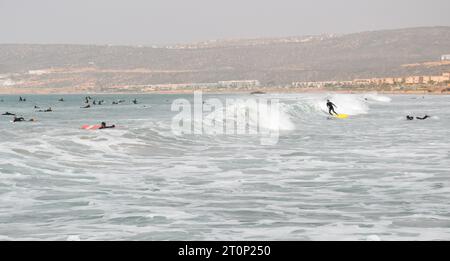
[{"x": 341, "y": 116}]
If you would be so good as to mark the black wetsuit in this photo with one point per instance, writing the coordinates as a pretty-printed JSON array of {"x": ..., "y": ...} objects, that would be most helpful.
[
  {"x": 107, "y": 127},
  {"x": 409, "y": 118},
  {"x": 18, "y": 119},
  {"x": 331, "y": 106},
  {"x": 423, "y": 118},
  {"x": 8, "y": 114}
]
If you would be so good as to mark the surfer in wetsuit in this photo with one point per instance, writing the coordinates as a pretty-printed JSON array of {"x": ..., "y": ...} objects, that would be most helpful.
[
  {"x": 423, "y": 118},
  {"x": 18, "y": 119},
  {"x": 8, "y": 114},
  {"x": 331, "y": 106},
  {"x": 409, "y": 118},
  {"x": 103, "y": 126},
  {"x": 47, "y": 110}
]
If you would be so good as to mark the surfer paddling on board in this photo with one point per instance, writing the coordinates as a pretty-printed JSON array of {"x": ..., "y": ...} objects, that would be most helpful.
[
  {"x": 423, "y": 118},
  {"x": 8, "y": 114},
  {"x": 20, "y": 119},
  {"x": 331, "y": 106},
  {"x": 410, "y": 118},
  {"x": 103, "y": 126}
]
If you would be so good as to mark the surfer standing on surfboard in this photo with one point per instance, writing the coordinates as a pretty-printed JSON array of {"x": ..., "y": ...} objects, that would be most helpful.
[{"x": 331, "y": 106}]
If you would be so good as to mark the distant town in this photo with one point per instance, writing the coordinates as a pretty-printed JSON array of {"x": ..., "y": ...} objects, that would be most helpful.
[
  {"x": 423, "y": 84},
  {"x": 385, "y": 61}
]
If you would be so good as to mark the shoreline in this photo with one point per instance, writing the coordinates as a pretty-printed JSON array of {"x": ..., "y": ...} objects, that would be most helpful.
[{"x": 227, "y": 91}]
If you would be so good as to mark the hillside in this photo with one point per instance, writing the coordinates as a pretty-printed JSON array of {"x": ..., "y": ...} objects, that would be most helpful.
[{"x": 271, "y": 61}]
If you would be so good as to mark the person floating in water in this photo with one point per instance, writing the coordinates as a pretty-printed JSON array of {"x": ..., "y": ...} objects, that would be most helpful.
[
  {"x": 423, "y": 118},
  {"x": 103, "y": 126},
  {"x": 410, "y": 118},
  {"x": 18, "y": 119},
  {"x": 61, "y": 100},
  {"x": 47, "y": 110},
  {"x": 135, "y": 101},
  {"x": 331, "y": 106},
  {"x": 8, "y": 114}
]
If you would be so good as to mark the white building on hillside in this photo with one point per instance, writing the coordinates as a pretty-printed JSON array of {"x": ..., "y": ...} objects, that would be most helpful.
[
  {"x": 445, "y": 57},
  {"x": 239, "y": 84}
]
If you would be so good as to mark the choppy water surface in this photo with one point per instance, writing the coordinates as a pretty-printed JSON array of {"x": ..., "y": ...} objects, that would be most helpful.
[{"x": 372, "y": 176}]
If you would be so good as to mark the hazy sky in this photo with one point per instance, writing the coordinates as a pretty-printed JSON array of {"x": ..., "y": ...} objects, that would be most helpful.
[{"x": 182, "y": 21}]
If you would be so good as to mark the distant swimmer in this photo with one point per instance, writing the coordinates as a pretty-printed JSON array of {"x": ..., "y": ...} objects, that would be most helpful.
[
  {"x": 36, "y": 107},
  {"x": 61, "y": 100},
  {"x": 86, "y": 107},
  {"x": 410, "y": 118},
  {"x": 47, "y": 110},
  {"x": 8, "y": 114},
  {"x": 103, "y": 126},
  {"x": 135, "y": 101},
  {"x": 18, "y": 119},
  {"x": 331, "y": 106},
  {"x": 423, "y": 118}
]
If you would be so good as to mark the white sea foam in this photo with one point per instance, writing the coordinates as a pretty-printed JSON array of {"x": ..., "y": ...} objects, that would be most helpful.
[{"x": 370, "y": 177}]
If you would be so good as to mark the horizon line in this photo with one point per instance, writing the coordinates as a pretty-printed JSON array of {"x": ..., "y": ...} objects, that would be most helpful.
[{"x": 150, "y": 45}]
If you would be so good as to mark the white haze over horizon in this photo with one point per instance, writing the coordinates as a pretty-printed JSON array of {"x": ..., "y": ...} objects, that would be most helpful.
[{"x": 140, "y": 22}]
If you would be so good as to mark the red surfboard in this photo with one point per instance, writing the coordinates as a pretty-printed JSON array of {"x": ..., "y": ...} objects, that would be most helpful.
[{"x": 91, "y": 127}]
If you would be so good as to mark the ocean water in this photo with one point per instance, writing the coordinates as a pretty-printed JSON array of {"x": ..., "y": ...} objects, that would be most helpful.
[{"x": 374, "y": 176}]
